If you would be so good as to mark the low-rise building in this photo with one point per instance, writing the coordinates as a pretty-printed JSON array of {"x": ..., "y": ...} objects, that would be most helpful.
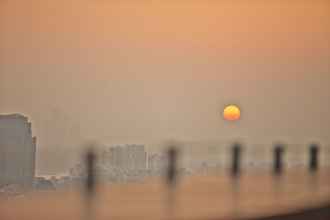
[{"x": 128, "y": 156}]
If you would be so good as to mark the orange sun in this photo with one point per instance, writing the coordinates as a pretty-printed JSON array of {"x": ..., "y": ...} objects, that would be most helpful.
[{"x": 232, "y": 113}]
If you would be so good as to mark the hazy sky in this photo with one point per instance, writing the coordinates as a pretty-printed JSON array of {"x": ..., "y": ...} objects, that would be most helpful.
[{"x": 135, "y": 71}]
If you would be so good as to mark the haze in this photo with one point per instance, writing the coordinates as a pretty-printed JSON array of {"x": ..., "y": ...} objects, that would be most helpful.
[{"x": 140, "y": 71}]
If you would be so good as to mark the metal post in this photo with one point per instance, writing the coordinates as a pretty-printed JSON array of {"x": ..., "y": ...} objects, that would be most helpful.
[
  {"x": 278, "y": 159},
  {"x": 313, "y": 158},
  {"x": 90, "y": 183},
  {"x": 236, "y": 160}
]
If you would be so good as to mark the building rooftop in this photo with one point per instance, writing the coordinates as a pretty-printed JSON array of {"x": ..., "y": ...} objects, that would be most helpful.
[{"x": 13, "y": 116}]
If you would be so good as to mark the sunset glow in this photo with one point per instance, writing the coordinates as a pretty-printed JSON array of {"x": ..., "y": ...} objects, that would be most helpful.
[{"x": 146, "y": 71}]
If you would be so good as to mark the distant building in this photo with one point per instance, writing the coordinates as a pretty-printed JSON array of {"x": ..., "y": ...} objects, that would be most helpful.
[
  {"x": 129, "y": 156},
  {"x": 137, "y": 157},
  {"x": 157, "y": 162},
  {"x": 17, "y": 151}
]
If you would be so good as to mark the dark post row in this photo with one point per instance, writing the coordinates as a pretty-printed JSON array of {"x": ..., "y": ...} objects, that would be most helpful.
[
  {"x": 172, "y": 154},
  {"x": 278, "y": 155}
]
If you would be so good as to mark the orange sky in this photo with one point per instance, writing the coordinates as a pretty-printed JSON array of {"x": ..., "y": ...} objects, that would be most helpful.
[
  {"x": 281, "y": 29},
  {"x": 131, "y": 71}
]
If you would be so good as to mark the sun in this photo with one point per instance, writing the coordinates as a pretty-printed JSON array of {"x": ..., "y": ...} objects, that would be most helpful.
[{"x": 231, "y": 113}]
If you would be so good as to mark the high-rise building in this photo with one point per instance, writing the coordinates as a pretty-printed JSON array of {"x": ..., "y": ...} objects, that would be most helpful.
[{"x": 17, "y": 150}]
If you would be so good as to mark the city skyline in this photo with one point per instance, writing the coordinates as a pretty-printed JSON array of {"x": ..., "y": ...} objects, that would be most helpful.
[
  {"x": 122, "y": 72},
  {"x": 165, "y": 109}
]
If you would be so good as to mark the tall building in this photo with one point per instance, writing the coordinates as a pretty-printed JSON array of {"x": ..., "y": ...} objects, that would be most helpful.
[{"x": 17, "y": 150}]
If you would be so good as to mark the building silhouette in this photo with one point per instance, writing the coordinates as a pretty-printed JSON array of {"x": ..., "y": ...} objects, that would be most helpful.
[{"x": 17, "y": 151}]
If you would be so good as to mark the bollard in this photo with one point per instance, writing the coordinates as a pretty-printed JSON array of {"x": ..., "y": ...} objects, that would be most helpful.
[
  {"x": 90, "y": 160},
  {"x": 171, "y": 173},
  {"x": 235, "y": 181},
  {"x": 236, "y": 160},
  {"x": 171, "y": 179},
  {"x": 313, "y": 157},
  {"x": 278, "y": 159},
  {"x": 90, "y": 184}
]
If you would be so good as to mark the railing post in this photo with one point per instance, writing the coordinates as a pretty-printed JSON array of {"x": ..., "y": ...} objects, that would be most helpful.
[
  {"x": 278, "y": 159},
  {"x": 313, "y": 158},
  {"x": 90, "y": 183},
  {"x": 171, "y": 177},
  {"x": 90, "y": 159},
  {"x": 171, "y": 172},
  {"x": 236, "y": 160}
]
